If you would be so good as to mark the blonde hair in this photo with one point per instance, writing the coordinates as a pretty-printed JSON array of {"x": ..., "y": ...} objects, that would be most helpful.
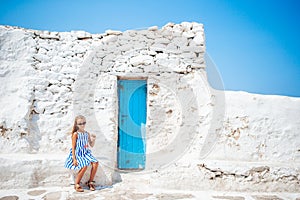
[{"x": 75, "y": 127}]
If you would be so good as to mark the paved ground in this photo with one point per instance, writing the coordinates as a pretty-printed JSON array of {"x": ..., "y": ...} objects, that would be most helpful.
[{"x": 119, "y": 192}]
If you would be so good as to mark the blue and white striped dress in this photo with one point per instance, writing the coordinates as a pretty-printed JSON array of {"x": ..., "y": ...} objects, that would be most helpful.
[{"x": 82, "y": 153}]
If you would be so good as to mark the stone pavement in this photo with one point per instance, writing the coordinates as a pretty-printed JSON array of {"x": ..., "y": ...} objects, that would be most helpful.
[{"x": 119, "y": 192}]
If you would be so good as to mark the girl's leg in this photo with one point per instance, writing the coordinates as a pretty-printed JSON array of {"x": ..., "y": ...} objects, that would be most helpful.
[
  {"x": 93, "y": 170},
  {"x": 80, "y": 175}
]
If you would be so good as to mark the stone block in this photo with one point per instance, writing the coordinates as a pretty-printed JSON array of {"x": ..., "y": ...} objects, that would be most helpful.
[
  {"x": 49, "y": 36},
  {"x": 109, "y": 38},
  {"x": 187, "y": 26},
  {"x": 113, "y": 32},
  {"x": 42, "y": 58},
  {"x": 199, "y": 38},
  {"x": 158, "y": 47},
  {"x": 188, "y": 34},
  {"x": 153, "y": 28},
  {"x": 81, "y": 35},
  {"x": 130, "y": 33},
  {"x": 141, "y": 60},
  {"x": 164, "y": 41}
]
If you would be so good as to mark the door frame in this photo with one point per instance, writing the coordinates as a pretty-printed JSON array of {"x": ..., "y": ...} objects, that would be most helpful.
[{"x": 117, "y": 118}]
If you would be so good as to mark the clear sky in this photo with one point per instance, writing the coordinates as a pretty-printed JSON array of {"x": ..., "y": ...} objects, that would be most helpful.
[{"x": 255, "y": 44}]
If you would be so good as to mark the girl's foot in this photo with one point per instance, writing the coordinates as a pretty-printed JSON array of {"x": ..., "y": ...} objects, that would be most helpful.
[
  {"x": 91, "y": 185},
  {"x": 78, "y": 188}
]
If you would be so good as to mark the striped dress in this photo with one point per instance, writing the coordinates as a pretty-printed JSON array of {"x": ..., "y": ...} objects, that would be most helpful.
[{"x": 82, "y": 153}]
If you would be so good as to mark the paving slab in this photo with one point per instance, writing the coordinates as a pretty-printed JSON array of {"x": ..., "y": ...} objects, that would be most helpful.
[{"x": 121, "y": 192}]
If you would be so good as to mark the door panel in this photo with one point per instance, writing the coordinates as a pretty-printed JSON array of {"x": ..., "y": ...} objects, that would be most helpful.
[{"x": 132, "y": 119}]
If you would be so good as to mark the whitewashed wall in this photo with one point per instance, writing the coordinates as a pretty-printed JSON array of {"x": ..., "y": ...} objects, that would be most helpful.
[
  {"x": 197, "y": 138},
  {"x": 52, "y": 77}
]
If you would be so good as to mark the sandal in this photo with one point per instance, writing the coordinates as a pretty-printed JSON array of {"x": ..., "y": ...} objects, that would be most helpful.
[
  {"x": 78, "y": 188},
  {"x": 91, "y": 185}
]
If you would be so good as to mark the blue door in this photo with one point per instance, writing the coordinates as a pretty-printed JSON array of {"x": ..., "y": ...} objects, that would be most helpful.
[{"x": 132, "y": 119}]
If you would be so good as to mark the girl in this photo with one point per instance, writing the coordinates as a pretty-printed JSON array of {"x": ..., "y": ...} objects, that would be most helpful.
[{"x": 80, "y": 156}]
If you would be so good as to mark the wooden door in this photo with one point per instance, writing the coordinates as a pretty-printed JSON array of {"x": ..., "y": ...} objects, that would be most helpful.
[{"x": 132, "y": 119}]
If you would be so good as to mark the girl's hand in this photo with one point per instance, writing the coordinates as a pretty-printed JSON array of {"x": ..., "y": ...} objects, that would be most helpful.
[
  {"x": 75, "y": 162},
  {"x": 93, "y": 137}
]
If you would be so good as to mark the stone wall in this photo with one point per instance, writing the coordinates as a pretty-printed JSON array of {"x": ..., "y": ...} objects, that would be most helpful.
[
  {"x": 196, "y": 137},
  {"x": 51, "y": 77}
]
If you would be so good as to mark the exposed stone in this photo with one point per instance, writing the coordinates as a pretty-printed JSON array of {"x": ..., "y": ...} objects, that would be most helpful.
[
  {"x": 49, "y": 36},
  {"x": 141, "y": 60},
  {"x": 229, "y": 197},
  {"x": 153, "y": 28},
  {"x": 52, "y": 196},
  {"x": 158, "y": 47},
  {"x": 164, "y": 41},
  {"x": 112, "y": 32},
  {"x": 36, "y": 192},
  {"x": 199, "y": 38},
  {"x": 9, "y": 198},
  {"x": 187, "y": 26},
  {"x": 81, "y": 35},
  {"x": 188, "y": 34},
  {"x": 266, "y": 197},
  {"x": 174, "y": 196},
  {"x": 109, "y": 38}
]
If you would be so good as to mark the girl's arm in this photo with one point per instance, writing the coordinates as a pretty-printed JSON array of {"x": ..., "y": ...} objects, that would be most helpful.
[
  {"x": 74, "y": 139},
  {"x": 92, "y": 139}
]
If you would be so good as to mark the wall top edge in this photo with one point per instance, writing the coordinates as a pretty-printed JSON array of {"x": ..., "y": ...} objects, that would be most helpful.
[{"x": 186, "y": 29}]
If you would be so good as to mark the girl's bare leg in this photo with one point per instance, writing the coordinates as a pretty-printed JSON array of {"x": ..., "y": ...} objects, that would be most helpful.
[
  {"x": 80, "y": 175},
  {"x": 93, "y": 170}
]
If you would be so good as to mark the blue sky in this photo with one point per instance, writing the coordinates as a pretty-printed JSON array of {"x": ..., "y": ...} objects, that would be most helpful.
[{"x": 254, "y": 44}]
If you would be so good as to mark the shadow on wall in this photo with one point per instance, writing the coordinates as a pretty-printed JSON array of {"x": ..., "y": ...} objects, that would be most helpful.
[{"x": 34, "y": 132}]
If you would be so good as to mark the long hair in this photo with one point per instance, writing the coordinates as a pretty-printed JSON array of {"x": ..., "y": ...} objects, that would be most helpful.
[{"x": 75, "y": 127}]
